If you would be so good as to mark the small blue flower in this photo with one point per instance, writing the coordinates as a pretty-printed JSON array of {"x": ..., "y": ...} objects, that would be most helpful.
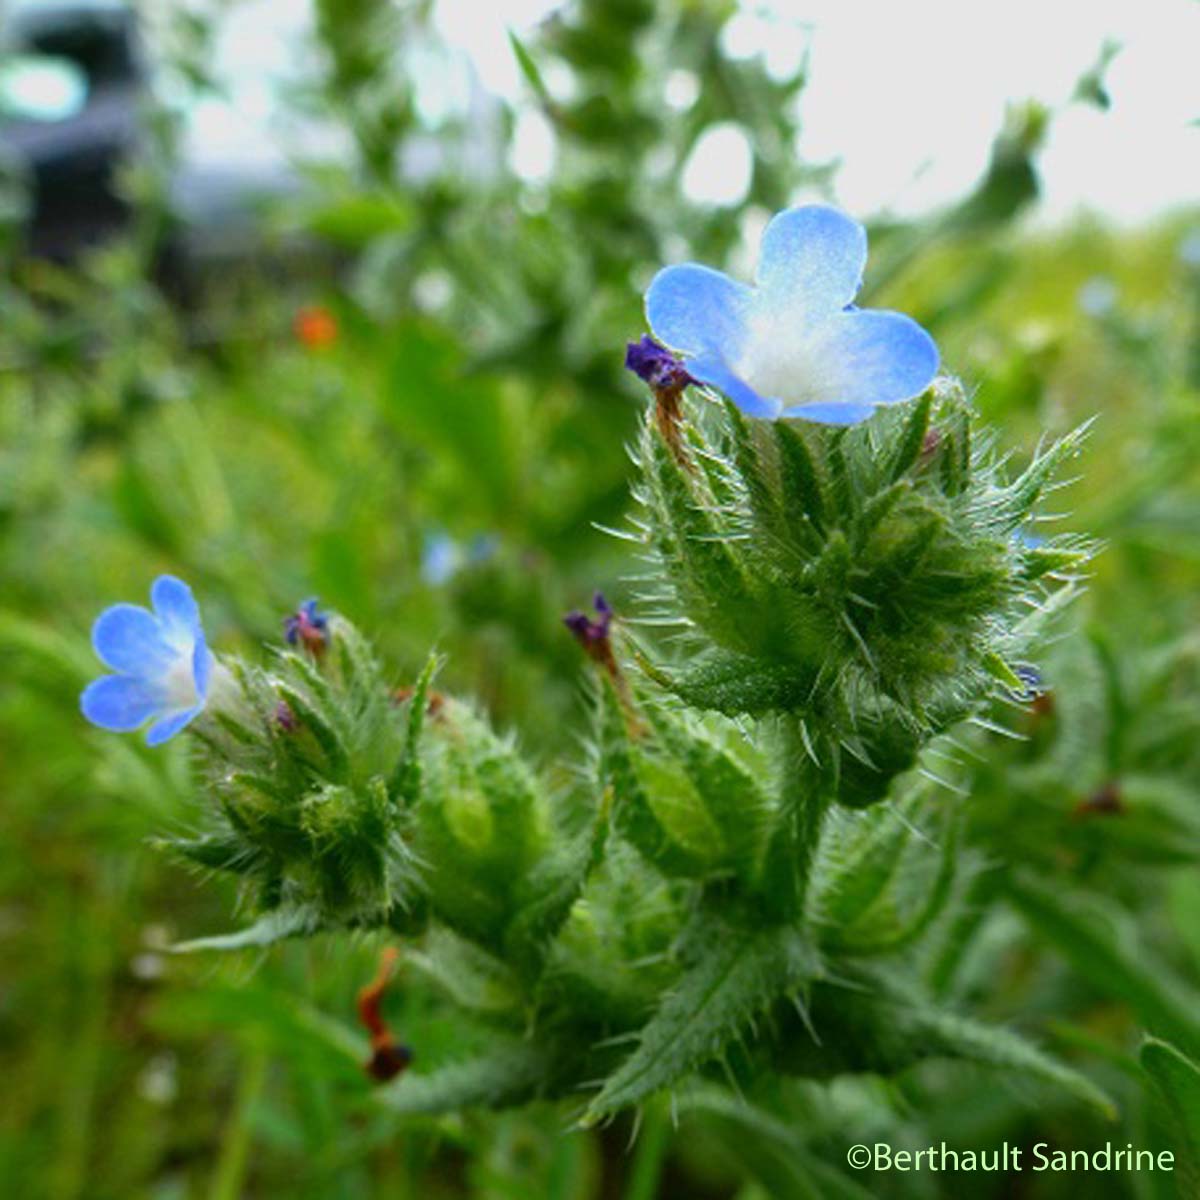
[
  {"x": 794, "y": 345},
  {"x": 307, "y": 627},
  {"x": 163, "y": 664}
]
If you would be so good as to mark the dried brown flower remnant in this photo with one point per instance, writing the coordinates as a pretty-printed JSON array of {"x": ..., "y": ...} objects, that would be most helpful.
[
  {"x": 1104, "y": 802},
  {"x": 389, "y": 1057},
  {"x": 667, "y": 378}
]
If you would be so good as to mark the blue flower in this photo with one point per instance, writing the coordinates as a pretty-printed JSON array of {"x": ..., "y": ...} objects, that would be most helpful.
[
  {"x": 163, "y": 664},
  {"x": 307, "y": 627},
  {"x": 794, "y": 345}
]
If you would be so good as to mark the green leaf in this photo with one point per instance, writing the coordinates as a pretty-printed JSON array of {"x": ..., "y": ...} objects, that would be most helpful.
[
  {"x": 737, "y": 977},
  {"x": 214, "y": 852},
  {"x": 804, "y": 497},
  {"x": 326, "y": 737},
  {"x": 753, "y": 471},
  {"x": 1024, "y": 492},
  {"x": 258, "y": 1009},
  {"x": 693, "y": 544},
  {"x": 912, "y": 441},
  {"x": 474, "y": 979},
  {"x": 770, "y": 1150},
  {"x": 946, "y": 1034},
  {"x": 999, "y": 670},
  {"x": 732, "y": 798},
  {"x": 405, "y": 783},
  {"x": 865, "y": 868},
  {"x": 726, "y": 682},
  {"x": 907, "y": 932},
  {"x": 66, "y": 657},
  {"x": 510, "y": 1072},
  {"x": 873, "y": 1021},
  {"x": 529, "y": 69},
  {"x": 1177, "y": 1079},
  {"x": 1112, "y": 959},
  {"x": 276, "y": 925},
  {"x": 637, "y": 780}
]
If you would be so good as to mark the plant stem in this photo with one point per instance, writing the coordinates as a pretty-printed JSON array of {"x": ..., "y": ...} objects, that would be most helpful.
[
  {"x": 651, "y": 1153},
  {"x": 235, "y": 1142},
  {"x": 805, "y": 795}
]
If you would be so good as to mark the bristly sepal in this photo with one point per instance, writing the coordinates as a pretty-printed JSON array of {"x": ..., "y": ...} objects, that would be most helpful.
[
  {"x": 864, "y": 580},
  {"x": 298, "y": 767}
]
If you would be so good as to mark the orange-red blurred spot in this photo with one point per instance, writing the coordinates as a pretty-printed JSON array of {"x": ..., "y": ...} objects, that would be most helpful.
[{"x": 315, "y": 327}]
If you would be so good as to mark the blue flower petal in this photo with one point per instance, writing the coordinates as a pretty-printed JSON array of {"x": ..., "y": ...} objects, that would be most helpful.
[
  {"x": 811, "y": 261},
  {"x": 120, "y": 702},
  {"x": 868, "y": 357},
  {"x": 175, "y": 605},
  {"x": 167, "y": 727},
  {"x": 201, "y": 664},
  {"x": 713, "y": 370},
  {"x": 129, "y": 638},
  {"x": 830, "y": 413},
  {"x": 694, "y": 309}
]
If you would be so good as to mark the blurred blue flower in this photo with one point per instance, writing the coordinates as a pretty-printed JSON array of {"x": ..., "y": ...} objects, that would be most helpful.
[
  {"x": 1189, "y": 248},
  {"x": 794, "y": 345},
  {"x": 442, "y": 557},
  {"x": 163, "y": 664},
  {"x": 1097, "y": 296}
]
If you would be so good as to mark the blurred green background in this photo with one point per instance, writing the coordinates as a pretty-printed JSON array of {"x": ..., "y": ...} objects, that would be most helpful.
[{"x": 401, "y": 391}]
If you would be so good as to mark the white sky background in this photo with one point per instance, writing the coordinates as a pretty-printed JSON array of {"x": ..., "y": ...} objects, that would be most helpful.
[{"x": 908, "y": 95}]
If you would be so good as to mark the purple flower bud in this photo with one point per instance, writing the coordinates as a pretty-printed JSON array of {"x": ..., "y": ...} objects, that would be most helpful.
[
  {"x": 1031, "y": 677},
  {"x": 307, "y": 627},
  {"x": 656, "y": 365},
  {"x": 591, "y": 634},
  {"x": 285, "y": 718}
]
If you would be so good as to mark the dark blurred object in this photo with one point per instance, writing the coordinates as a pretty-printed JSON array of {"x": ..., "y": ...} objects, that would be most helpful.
[
  {"x": 86, "y": 137},
  {"x": 70, "y": 153}
]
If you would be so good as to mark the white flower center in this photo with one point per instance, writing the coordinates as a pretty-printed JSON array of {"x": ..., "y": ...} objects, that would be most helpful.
[
  {"x": 179, "y": 682},
  {"x": 781, "y": 359}
]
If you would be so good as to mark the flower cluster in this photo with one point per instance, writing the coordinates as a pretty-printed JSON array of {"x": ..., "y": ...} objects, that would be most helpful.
[{"x": 846, "y": 586}]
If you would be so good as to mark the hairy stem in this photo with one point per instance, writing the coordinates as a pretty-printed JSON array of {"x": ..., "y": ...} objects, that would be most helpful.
[{"x": 805, "y": 794}]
